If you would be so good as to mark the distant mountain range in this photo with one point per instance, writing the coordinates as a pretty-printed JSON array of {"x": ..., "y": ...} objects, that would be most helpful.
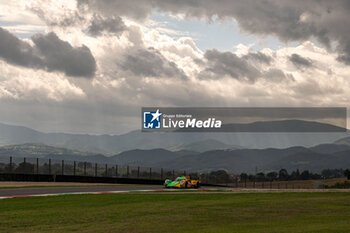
[
  {"x": 202, "y": 146},
  {"x": 250, "y": 160},
  {"x": 343, "y": 141},
  {"x": 315, "y": 159},
  {"x": 199, "y": 142}
]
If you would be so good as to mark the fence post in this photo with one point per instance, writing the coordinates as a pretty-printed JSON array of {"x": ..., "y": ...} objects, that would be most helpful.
[
  {"x": 116, "y": 170},
  {"x": 74, "y": 166},
  {"x": 286, "y": 185},
  {"x": 37, "y": 165},
  {"x": 49, "y": 166},
  {"x": 84, "y": 168},
  {"x": 161, "y": 173},
  {"x": 245, "y": 182},
  {"x": 270, "y": 184},
  {"x": 95, "y": 169},
  {"x": 278, "y": 186},
  {"x": 184, "y": 172},
  {"x": 138, "y": 172},
  {"x": 10, "y": 164},
  {"x": 173, "y": 174},
  {"x": 62, "y": 167},
  {"x": 150, "y": 173},
  {"x": 106, "y": 170},
  {"x": 263, "y": 185},
  {"x": 24, "y": 161},
  {"x": 127, "y": 171}
]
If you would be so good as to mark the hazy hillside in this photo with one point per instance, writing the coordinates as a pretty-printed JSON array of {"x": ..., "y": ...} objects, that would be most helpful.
[
  {"x": 241, "y": 160},
  {"x": 202, "y": 146},
  {"x": 38, "y": 150},
  {"x": 329, "y": 148},
  {"x": 10, "y": 135},
  {"x": 249, "y": 160},
  {"x": 310, "y": 160},
  {"x": 244, "y": 160},
  {"x": 146, "y": 157},
  {"x": 32, "y": 150},
  {"x": 343, "y": 141}
]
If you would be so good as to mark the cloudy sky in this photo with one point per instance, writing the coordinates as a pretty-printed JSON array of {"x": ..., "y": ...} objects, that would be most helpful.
[{"x": 88, "y": 66}]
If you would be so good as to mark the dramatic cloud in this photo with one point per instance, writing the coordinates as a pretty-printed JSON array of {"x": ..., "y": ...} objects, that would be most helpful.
[
  {"x": 300, "y": 61},
  {"x": 299, "y": 20},
  {"x": 16, "y": 51},
  {"x": 49, "y": 53},
  {"x": 258, "y": 57},
  {"x": 140, "y": 9},
  {"x": 111, "y": 25},
  {"x": 60, "y": 55},
  {"x": 249, "y": 67},
  {"x": 221, "y": 64},
  {"x": 150, "y": 63}
]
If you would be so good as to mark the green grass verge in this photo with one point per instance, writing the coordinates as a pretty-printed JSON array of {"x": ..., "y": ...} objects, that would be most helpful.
[{"x": 249, "y": 212}]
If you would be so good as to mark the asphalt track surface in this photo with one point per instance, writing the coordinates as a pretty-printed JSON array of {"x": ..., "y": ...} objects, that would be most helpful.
[
  {"x": 58, "y": 190},
  {"x": 43, "y": 191}
]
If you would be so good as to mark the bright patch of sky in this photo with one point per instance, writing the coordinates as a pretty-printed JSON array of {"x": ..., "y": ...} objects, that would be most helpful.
[
  {"x": 221, "y": 35},
  {"x": 22, "y": 29}
]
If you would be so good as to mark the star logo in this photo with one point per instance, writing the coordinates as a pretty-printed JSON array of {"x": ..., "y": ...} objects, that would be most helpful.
[
  {"x": 152, "y": 120},
  {"x": 156, "y": 115}
]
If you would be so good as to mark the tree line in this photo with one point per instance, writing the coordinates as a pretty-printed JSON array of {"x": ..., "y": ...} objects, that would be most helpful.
[{"x": 283, "y": 175}]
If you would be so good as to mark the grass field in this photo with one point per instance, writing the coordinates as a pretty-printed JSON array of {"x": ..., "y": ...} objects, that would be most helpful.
[{"x": 168, "y": 212}]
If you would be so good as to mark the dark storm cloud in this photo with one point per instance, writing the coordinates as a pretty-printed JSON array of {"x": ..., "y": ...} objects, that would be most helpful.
[
  {"x": 111, "y": 25},
  {"x": 298, "y": 20},
  {"x": 16, "y": 51},
  {"x": 49, "y": 53},
  {"x": 300, "y": 61},
  {"x": 151, "y": 63},
  {"x": 221, "y": 64},
  {"x": 60, "y": 55},
  {"x": 259, "y": 57}
]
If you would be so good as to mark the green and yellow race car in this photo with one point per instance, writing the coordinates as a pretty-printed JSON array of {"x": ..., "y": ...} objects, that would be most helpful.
[{"x": 182, "y": 182}]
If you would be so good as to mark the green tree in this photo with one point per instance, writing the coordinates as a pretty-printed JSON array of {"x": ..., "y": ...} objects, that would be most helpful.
[
  {"x": 243, "y": 176},
  {"x": 283, "y": 174},
  {"x": 260, "y": 176},
  {"x": 347, "y": 173},
  {"x": 272, "y": 175},
  {"x": 305, "y": 175}
]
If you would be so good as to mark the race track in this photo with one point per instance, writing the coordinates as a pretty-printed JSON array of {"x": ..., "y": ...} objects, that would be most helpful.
[
  {"x": 62, "y": 190},
  {"x": 50, "y": 191}
]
